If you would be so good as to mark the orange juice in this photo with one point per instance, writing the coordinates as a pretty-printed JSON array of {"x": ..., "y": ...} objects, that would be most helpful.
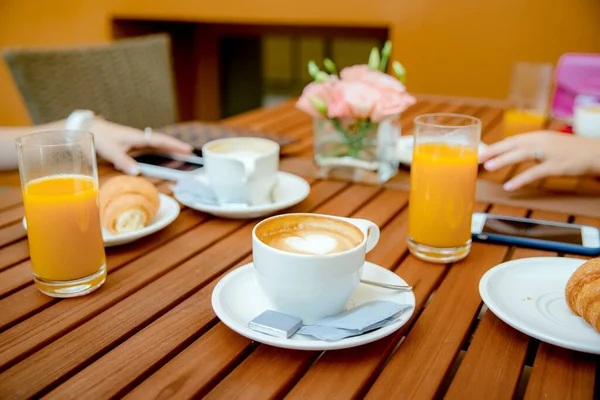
[
  {"x": 63, "y": 228},
  {"x": 442, "y": 194},
  {"x": 521, "y": 121}
]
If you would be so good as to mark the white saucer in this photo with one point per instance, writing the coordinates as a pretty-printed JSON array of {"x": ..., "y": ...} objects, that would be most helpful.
[
  {"x": 237, "y": 299},
  {"x": 529, "y": 295},
  {"x": 290, "y": 190},
  {"x": 167, "y": 213},
  {"x": 404, "y": 149}
]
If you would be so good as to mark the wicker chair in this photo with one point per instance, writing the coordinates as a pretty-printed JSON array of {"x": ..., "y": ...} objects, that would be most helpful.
[{"x": 129, "y": 81}]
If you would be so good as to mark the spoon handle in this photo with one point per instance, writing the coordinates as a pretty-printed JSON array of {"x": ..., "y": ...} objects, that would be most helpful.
[{"x": 387, "y": 285}]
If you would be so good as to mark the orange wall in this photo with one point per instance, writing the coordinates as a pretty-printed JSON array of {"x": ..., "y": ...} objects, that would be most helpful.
[{"x": 454, "y": 47}]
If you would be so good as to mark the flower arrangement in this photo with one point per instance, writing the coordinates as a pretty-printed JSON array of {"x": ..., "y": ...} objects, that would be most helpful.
[{"x": 356, "y": 100}]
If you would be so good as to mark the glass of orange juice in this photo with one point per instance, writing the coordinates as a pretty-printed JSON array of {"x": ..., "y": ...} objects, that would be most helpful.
[
  {"x": 528, "y": 96},
  {"x": 442, "y": 186},
  {"x": 59, "y": 182}
]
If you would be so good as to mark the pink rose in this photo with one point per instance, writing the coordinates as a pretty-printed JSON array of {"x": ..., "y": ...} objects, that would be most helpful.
[
  {"x": 354, "y": 73},
  {"x": 391, "y": 105},
  {"x": 353, "y": 100},
  {"x": 379, "y": 79},
  {"x": 321, "y": 91}
]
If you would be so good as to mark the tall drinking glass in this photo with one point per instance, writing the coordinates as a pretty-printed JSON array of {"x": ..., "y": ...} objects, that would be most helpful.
[
  {"x": 529, "y": 94},
  {"x": 442, "y": 186},
  {"x": 59, "y": 181}
]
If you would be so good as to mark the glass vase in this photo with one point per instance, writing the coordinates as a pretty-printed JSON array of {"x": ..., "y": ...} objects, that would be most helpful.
[{"x": 356, "y": 150}]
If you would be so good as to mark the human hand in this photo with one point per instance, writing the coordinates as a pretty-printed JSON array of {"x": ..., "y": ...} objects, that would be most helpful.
[
  {"x": 557, "y": 155},
  {"x": 113, "y": 141}
]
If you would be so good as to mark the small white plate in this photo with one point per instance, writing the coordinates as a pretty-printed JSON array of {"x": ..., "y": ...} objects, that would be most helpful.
[
  {"x": 237, "y": 299},
  {"x": 404, "y": 149},
  {"x": 529, "y": 295},
  {"x": 167, "y": 213},
  {"x": 290, "y": 190}
]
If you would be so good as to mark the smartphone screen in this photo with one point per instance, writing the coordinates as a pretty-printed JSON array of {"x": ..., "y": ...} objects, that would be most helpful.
[
  {"x": 529, "y": 230},
  {"x": 166, "y": 162}
]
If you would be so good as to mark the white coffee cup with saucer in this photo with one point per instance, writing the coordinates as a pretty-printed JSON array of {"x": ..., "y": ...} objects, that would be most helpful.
[
  {"x": 309, "y": 265},
  {"x": 196, "y": 193},
  {"x": 241, "y": 170}
]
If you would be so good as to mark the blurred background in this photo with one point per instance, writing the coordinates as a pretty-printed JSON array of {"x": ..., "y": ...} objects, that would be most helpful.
[{"x": 232, "y": 56}]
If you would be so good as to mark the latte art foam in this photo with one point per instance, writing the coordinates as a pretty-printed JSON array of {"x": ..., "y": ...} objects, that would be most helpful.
[{"x": 310, "y": 235}]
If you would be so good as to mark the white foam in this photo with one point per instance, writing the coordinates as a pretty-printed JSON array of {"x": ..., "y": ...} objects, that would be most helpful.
[
  {"x": 244, "y": 154},
  {"x": 313, "y": 244}
]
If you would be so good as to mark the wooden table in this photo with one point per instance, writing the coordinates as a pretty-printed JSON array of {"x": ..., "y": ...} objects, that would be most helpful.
[{"x": 150, "y": 331}]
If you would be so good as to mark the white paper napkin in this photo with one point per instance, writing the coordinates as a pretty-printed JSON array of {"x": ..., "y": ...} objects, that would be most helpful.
[{"x": 362, "y": 319}]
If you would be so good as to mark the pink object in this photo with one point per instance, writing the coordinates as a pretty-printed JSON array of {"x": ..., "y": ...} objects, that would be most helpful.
[
  {"x": 353, "y": 100},
  {"x": 359, "y": 92},
  {"x": 321, "y": 91},
  {"x": 576, "y": 73}
]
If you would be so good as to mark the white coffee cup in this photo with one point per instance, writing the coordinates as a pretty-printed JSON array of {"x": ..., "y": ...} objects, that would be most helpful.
[
  {"x": 242, "y": 170},
  {"x": 586, "y": 120},
  {"x": 310, "y": 286}
]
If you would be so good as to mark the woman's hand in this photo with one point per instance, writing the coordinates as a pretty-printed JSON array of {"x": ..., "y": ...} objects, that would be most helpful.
[
  {"x": 557, "y": 155},
  {"x": 113, "y": 141}
]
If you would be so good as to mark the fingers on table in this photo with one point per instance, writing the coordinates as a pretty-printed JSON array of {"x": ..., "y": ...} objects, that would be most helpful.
[
  {"x": 161, "y": 141},
  {"x": 532, "y": 174},
  {"x": 513, "y": 156}
]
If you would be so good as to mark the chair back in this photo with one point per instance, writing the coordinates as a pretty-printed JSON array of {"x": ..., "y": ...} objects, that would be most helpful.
[{"x": 129, "y": 81}]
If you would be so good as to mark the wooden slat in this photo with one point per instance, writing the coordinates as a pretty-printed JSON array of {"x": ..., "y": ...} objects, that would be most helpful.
[
  {"x": 492, "y": 366},
  {"x": 243, "y": 120},
  {"x": 11, "y": 233},
  {"x": 266, "y": 374},
  {"x": 76, "y": 347},
  {"x": 10, "y": 197},
  {"x": 213, "y": 355},
  {"x": 561, "y": 374},
  {"x": 11, "y": 215},
  {"x": 14, "y": 253},
  {"x": 14, "y": 278},
  {"x": 20, "y": 305},
  {"x": 53, "y": 321},
  {"x": 435, "y": 339}
]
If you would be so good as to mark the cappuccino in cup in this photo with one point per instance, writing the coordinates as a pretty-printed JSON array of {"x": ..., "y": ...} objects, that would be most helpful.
[
  {"x": 310, "y": 235},
  {"x": 308, "y": 265},
  {"x": 242, "y": 170}
]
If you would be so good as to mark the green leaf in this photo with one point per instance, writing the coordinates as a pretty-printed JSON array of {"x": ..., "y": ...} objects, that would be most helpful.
[
  {"x": 374, "y": 58},
  {"x": 400, "y": 71},
  {"x": 330, "y": 66},
  {"x": 319, "y": 105},
  {"x": 313, "y": 69},
  {"x": 385, "y": 55},
  {"x": 322, "y": 77}
]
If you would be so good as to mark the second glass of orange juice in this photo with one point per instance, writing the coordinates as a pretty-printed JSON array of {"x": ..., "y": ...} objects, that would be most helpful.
[
  {"x": 59, "y": 181},
  {"x": 442, "y": 186}
]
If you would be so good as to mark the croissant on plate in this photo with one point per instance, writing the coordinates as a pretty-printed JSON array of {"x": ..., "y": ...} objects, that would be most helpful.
[
  {"x": 127, "y": 204},
  {"x": 583, "y": 292}
]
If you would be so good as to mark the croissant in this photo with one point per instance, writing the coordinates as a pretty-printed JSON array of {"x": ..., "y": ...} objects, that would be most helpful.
[
  {"x": 583, "y": 292},
  {"x": 127, "y": 204}
]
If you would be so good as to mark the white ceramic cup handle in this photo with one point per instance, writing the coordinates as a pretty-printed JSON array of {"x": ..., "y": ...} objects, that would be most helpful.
[
  {"x": 369, "y": 228},
  {"x": 249, "y": 168}
]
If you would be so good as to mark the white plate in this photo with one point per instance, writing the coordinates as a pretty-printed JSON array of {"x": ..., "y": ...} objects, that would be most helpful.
[
  {"x": 529, "y": 295},
  {"x": 290, "y": 190},
  {"x": 404, "y": 149},
  {"x": 237, "y": 299},
  {"x": 167, "y": 213}
]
